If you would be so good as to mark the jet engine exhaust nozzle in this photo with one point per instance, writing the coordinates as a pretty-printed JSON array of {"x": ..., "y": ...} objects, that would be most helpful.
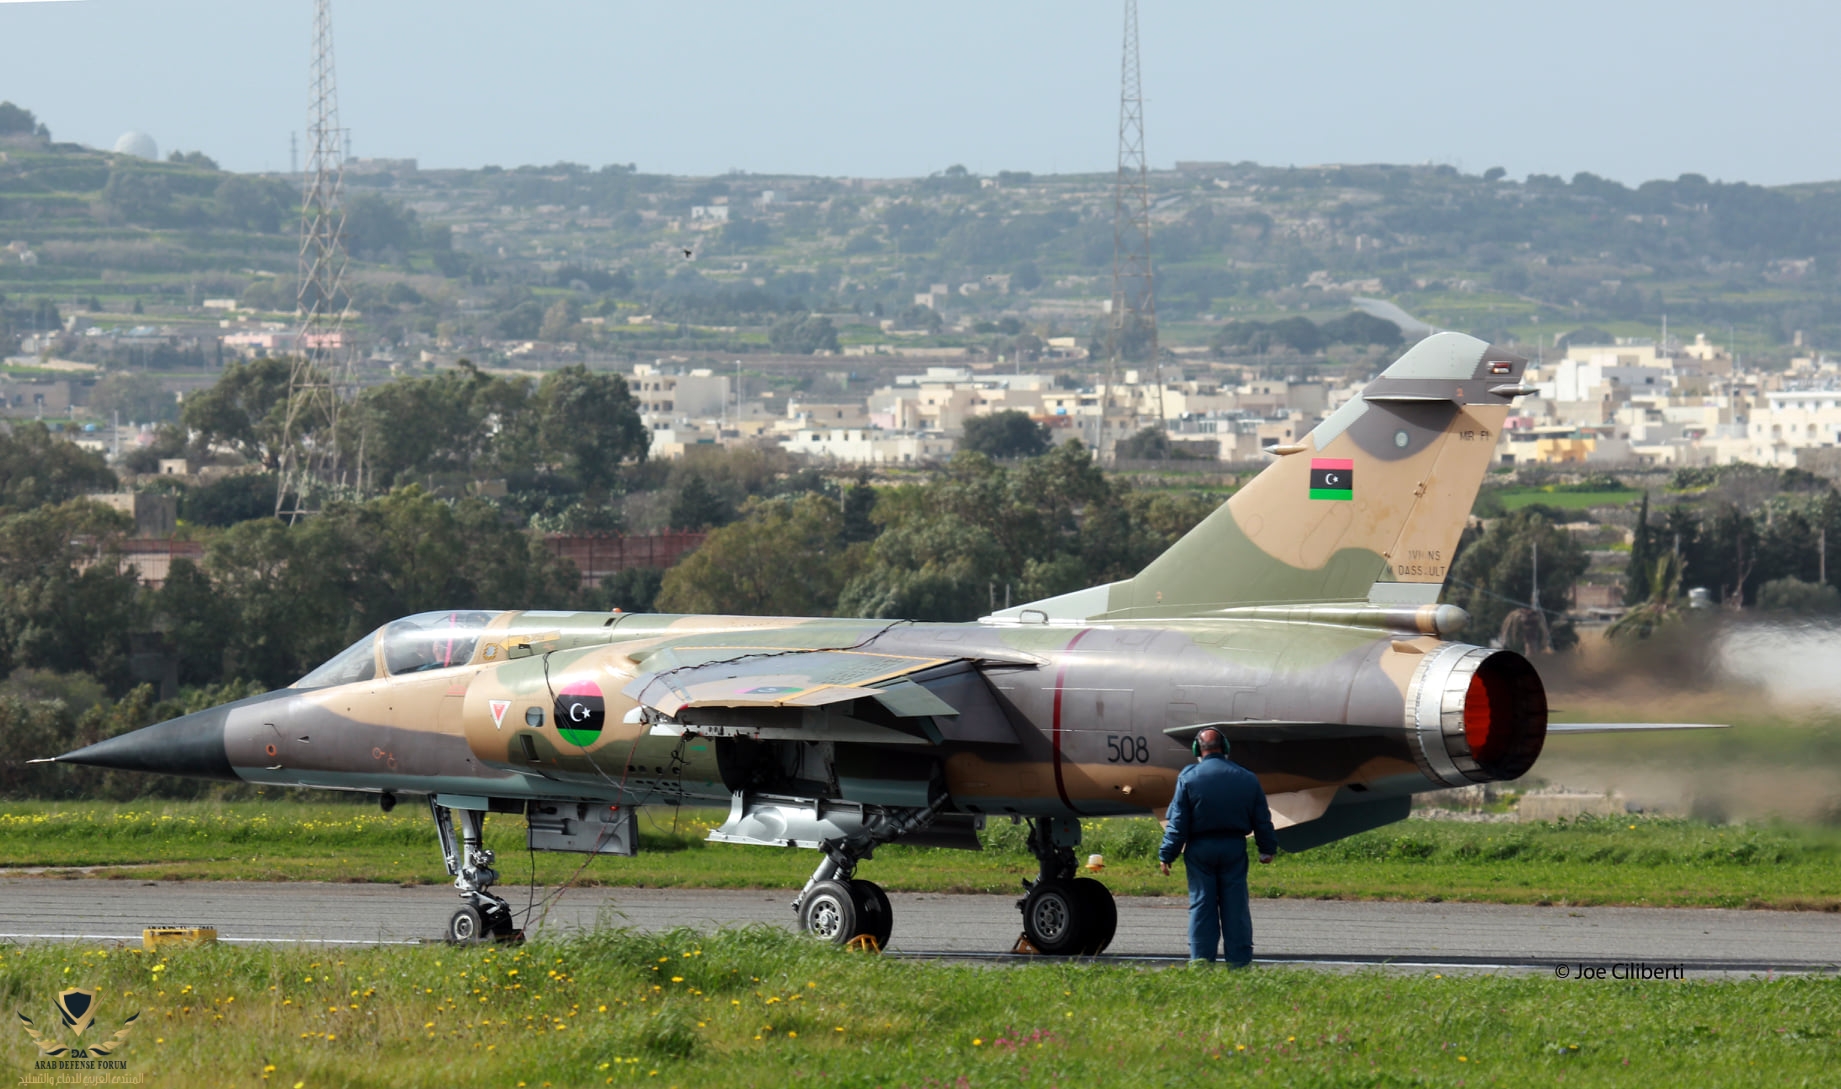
[{"x": 1476, "y": 715}]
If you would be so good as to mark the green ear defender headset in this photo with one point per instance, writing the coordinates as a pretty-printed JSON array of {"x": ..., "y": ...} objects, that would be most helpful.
[{"x": 1195, "y": 745}]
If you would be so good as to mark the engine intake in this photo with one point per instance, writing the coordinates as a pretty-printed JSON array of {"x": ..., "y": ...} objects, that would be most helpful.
[{"x": 1476, "y": 715}]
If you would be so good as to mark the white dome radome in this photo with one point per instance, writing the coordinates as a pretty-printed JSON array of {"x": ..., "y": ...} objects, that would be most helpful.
[{"x": 138, "y": 144}]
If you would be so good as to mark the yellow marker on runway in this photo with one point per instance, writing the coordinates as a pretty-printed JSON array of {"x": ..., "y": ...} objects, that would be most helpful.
[{"x": 155, "y": 937}]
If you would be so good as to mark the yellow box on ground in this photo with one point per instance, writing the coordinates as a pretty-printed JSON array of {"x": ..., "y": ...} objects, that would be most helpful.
[{"x": 154, "y": 937}]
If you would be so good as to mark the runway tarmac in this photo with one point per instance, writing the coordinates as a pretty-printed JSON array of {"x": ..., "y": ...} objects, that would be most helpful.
[{"x": 1457, "y": 936}]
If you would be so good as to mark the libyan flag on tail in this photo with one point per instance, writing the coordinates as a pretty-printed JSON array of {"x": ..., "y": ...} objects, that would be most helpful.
[{"x": 1332, "y": 478}]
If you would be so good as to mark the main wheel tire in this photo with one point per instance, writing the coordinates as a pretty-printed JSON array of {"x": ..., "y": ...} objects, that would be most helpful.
[
  {"x": 1055, "y": 918},
  {"x": 465, "y": 927},
  {"x": 875, "y": 918},
  {"x": 829, "y": 912},
  {"x": 501, "y": 929},
  {"x": 1101, "y": 913}
]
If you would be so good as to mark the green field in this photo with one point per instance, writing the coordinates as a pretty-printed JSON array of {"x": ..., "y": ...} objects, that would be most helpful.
[
  {"x": 762, "y": 1007},
  {"x": 1517, "y": 498},
  {"x": 1649, "y": 861}
]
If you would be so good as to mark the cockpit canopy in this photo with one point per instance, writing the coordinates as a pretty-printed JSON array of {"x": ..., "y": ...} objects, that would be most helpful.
[{"x": 413, "y": 644}]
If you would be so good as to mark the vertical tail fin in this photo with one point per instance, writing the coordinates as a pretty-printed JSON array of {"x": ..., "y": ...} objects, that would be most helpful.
[{"x": 1368, "y": 507}]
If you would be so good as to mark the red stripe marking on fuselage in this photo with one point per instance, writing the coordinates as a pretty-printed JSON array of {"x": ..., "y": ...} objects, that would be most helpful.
[{"x": 1061, "y": 675}]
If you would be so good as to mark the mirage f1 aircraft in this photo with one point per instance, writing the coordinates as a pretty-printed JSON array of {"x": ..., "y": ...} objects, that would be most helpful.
[{"x": 1301, "y": 618}]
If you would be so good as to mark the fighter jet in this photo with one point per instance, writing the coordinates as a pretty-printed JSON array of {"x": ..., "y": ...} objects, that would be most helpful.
[{"x": 1301, "y": 618}]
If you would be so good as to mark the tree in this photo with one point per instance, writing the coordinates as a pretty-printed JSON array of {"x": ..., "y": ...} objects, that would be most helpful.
[
  {"x": 1025, "y": 277},
  {"x": 1793, "y": 595},
  {"x": 920, "y": 317},
  {"x": 39, "y": 468},
  {"x": 560, "y": 321},
  {"x": 1664, "y": 603},
  {"x": 246, "y": 409},
  {"x": 137, "y": 196},
  {"x": 588, "y": 424},
  {"x": 1052, "y": 524},
  {"x": 1642, "y": 561},
  {"x": 374, "y": 224},
  {"x": 414, "y": 428},
  {"x": 1008, "y": 434},
  {"x": 248, "y": 204},
  {"x": 1299, "y": 334},
  {"x": 785, "y": 557},
  {"x": 1494, "y": 572},
  {"x": 803, "y": 336},
  {"x": 65, "y": 605},
  {"x": 634, "y": 590},
  {"x": 198, "y": 620},
  {"x": 17, "y": 121},
  {"x": 700, "y": 506},
  {"x": 523, "y": 321},
  {"x": 228, "y": 500},
  {"x": 1357, "y": 327},
  {"x": 1149, "y": 444},
  {"x": 859, "y": 513}
]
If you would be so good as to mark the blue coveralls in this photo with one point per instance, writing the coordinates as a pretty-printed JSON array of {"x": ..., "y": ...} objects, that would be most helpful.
[{"x": 1217, "y": 803}]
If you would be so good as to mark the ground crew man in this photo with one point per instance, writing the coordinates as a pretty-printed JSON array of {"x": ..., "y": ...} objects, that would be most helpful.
[{"x": 1217, "y": 803}]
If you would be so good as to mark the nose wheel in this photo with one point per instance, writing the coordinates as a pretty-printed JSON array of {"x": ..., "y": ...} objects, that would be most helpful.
[
  {"x": 482, "y": 915},
  {"x": 469, "y": 925}
]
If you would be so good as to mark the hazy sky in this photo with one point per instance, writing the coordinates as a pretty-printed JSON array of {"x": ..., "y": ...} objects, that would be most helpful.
[{"x": 1630, "y": 89}]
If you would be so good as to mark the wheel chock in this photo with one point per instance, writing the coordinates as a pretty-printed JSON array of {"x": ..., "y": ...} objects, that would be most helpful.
[
  {"x": 1025, "y": 946},
  {"x": 864, "y": 943},
  {"x": 154, "y": 937}
]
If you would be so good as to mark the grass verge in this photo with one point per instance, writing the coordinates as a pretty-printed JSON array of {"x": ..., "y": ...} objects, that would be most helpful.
[
  {"x": 1593, "y": 861},
  {"x": 1517, "y": 498},
  {"x": 762, "y": 1007}
]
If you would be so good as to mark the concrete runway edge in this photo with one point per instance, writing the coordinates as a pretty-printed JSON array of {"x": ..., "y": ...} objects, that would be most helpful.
[{"x": 1330, "y": 934}]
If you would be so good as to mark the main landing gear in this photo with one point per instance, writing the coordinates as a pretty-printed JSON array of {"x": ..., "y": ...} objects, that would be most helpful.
[
  {"x": 843, "y": 910},
  {"x": 840, "y": 908},
  {"x": 1064, "y": 915},
  {"x": 482, "y": 915}
]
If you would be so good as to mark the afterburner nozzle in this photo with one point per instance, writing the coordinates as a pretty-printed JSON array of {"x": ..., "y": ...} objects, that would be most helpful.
[{"x": 191, "y": 745}]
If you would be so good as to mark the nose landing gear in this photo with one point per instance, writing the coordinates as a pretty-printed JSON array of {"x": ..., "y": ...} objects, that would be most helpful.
[{"x": 482, "y": 915}]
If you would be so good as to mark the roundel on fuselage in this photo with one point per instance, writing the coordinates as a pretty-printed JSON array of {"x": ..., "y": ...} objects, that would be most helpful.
[{"x": 580, "y": 713}]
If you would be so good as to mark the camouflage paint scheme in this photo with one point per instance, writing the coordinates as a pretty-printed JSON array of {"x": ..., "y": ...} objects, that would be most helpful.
[{"x": 1306, "y": 628}]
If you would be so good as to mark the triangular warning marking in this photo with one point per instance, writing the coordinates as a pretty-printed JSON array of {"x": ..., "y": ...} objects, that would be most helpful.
[{"x": 499, "y": 707}]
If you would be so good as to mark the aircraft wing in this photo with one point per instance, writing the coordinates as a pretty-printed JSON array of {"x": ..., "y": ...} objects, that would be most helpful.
[
  {"x": 792, "y": 679},
  {"x": 1628, "y": 727}
]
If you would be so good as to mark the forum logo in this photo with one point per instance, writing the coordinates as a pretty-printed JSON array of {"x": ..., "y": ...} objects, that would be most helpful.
[{"x": 77, "y": 1011}]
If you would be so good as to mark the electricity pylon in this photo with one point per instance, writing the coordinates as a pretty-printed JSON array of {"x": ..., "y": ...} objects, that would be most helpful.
[
  {"x": 1134, "y": 306},
  {"x": 321, "y": 364}
]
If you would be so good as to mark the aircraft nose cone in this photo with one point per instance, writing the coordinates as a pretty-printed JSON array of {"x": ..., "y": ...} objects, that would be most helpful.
[{"x": 188, "y": 745}]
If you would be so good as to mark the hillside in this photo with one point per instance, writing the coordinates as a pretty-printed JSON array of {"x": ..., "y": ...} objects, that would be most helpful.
[{"x": 595, "y": 259}]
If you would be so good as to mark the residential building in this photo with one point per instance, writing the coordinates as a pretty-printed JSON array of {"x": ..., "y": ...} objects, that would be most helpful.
[{"x": 867, "y": 446}]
